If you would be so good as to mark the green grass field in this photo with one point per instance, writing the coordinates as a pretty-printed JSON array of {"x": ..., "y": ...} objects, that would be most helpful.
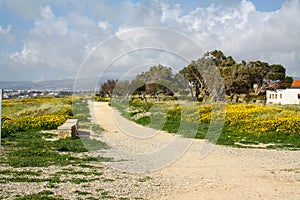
[
  {"x": 29, "y": 142},
  {"x": 24, "y": 138},
  {"x": 245, "y": 125}
]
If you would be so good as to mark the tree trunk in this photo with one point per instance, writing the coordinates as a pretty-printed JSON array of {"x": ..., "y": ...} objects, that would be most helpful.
[
  {"x": 197, "y": 91},
  {"x": 191, "y": 90},
  {"x": 237, "y": 98},
  {"x": 144, "y": 97},
  {"x": 157, "y": 96}
]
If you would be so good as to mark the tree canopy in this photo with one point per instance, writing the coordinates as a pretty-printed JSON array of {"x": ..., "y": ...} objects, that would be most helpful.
[
  {"x": 211, "y": 76},
  {"x": 238, "y": 78},
  {"x": 158, "y": 79},
  {"x": 107, "y": 88}
]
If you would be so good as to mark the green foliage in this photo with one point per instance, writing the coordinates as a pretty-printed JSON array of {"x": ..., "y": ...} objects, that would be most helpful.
[
  {"x": 138, "y": 103},
  {"x": 27, "y": 146},
  {"x": 38, "y": 114},
  {"x": 96, "y": 128},
  {"x": 29, "y": 149},
  {"x": 45, "y": 114},
  {"x": 44, "y": 122},
  {"x": 81, "y": 110},
  {"x": 107, "y": 88},
  {"x": 145, "y": 121},
  {"x": 82, "y": 180},
  {"x": 108, "y": 180},
  {"x": 105, "y": 195},
  {"x": 244, "y": 123},
  {"x": 174, "y": 114},
  {"x": 20, "y": 173},
  {"x": 44, "y": 195},
  {"x": 37, "y": 158},
  {"x": 102, "y": 99},
  {"x": 78, "y": 145},
  {"x": 238, "y": 78},
  {"x": 84, "y": 173},
  {"x": 146, "y": 178}
]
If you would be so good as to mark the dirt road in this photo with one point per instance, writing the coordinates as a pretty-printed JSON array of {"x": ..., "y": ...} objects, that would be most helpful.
[{"x": 225, "y": 173}]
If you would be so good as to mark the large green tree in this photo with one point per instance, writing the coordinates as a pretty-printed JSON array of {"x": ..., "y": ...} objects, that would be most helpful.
[
  {"x": 204, "y": 78},
  {"x": 107, "y": 88},
  {"x": 157, "y": 80},
  {"x": 252, "y": 77},
  {"x": 238, "y": 78}
]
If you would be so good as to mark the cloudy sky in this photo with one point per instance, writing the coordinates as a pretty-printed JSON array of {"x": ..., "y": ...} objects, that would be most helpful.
[{"x": 57, "y": 39}]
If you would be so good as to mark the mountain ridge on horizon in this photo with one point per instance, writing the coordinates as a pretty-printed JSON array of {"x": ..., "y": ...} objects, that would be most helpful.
[{"x": 61, "y": 84}]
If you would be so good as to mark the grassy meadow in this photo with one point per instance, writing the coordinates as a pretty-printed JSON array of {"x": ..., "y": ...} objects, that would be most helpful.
[
  {"x": 26, "y": 141},
  {"x": 21, "y": 115},
  {"x": 29, "y": 142},
  {"x": 245, "y": 125}
]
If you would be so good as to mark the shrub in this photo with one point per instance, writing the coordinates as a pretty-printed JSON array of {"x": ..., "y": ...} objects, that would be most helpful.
[{"x": 102, "y": 99}]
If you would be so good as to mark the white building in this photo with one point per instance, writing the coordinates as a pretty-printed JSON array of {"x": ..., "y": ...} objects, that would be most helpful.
[{"x": 285, "y": 96}]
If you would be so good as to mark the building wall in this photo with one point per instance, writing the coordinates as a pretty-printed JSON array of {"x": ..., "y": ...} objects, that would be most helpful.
[{"x": 287, "y": 96}]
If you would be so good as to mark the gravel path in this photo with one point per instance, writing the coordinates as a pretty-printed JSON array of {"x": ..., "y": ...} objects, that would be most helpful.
[{"x": 225, "y": 173}]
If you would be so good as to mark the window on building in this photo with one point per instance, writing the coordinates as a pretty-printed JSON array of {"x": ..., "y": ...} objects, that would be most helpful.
[
  {"x": 280, "y": 96},
  {"x": 298, "y": 96},
  {"x": 275, "y": 96},
  {"x": 272, "y": 96}
]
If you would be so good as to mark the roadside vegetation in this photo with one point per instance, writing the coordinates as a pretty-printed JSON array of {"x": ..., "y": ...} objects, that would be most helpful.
[
  {"x": 30, "y": 144},
  {"x": 246, "y": 125},
  {"x": 46, "y": 113},
  {"x": 26, "y": 141}
]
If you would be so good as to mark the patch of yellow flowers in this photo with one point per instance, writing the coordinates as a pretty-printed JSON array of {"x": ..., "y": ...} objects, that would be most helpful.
[
  {"x": 47, "y": 122},
  {"x": 249, "y": 118},
  {"x": 258, "y": 120},
  {"x": 42, "y": 113}
]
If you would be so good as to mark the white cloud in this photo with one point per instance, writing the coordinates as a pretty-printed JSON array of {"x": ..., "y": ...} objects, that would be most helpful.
[
  {"x": 28, "y": 55},
  {"x": 246, "y": 33},
  {"x": 60, "y": 43},
  {"x": 6, "y": 37},
  {"x": 5, "y": 30},
  {"x": 169, "y": 13},
  {"x": 104, "y": 25},
  {"x": 46, "y": 12},
  {"x": 266, "y": 35},
  {"x": 44, "y": 43}
]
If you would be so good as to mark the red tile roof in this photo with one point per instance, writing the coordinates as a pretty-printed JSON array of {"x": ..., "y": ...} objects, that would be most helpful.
[{"x": 296, "y": 83}]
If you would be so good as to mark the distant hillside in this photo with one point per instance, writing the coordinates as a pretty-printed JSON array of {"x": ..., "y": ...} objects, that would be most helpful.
[
  {"x": 16, "y": 85},
  {"x": 65, "y": 84}
]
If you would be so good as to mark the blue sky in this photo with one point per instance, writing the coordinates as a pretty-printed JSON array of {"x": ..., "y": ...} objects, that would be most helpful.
[
  {"x": 268, "y": 5},
  {"x": 43, "y": 39}
]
